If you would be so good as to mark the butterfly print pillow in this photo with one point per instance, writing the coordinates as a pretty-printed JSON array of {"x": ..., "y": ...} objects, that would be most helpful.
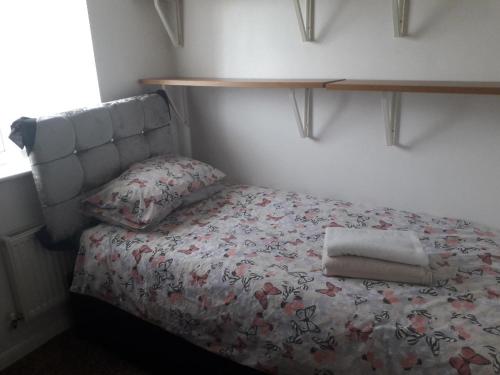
[{"x": 148, "y": 191}]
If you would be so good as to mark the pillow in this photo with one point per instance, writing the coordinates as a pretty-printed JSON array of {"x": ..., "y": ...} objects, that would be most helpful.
[
  {"x": 148, "y": 191},
  {"x": 201, "y": 194}
]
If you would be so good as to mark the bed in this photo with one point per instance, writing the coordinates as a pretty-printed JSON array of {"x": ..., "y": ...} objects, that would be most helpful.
[{"x": 239, "y": 274}]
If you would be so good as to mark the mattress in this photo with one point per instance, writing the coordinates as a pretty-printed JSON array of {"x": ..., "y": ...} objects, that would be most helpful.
[{"x": 239, "y": 274}]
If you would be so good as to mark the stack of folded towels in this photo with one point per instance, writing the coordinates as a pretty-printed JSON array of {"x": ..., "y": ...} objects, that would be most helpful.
[{"x": 390, "y": 255}]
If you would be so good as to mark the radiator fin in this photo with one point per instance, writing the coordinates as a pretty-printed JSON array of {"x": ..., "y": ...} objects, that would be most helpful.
[{"x": 39, "y": 278}]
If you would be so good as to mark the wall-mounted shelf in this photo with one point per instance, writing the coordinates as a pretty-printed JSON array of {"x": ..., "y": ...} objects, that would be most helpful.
[
  {"x": 240, "y": 83},
  {"x": 305, "y": 18},
  {"x": 391, "y": 95},
  {"x": 436, "y": 87},
  {"x": 304, "y": 121},
  {"x": 174, "y": 27}
]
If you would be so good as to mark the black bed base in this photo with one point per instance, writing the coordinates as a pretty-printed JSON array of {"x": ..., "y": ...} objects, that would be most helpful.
[{"x": 147, "y": 345}]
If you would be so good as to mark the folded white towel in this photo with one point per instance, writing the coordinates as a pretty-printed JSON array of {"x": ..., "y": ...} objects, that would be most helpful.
[{"x": 389, "y": 245}]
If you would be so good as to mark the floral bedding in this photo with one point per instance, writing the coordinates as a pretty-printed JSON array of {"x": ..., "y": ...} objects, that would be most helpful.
[
  {"x": 149, "y": 190},
  {"x": 239, "y": 274}
]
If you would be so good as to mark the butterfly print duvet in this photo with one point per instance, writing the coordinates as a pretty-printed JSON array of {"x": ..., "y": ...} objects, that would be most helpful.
[{"x": 239, "y": 274}]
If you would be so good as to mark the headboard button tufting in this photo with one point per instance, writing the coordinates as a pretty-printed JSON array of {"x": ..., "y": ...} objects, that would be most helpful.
[{"x": 77, "y": 152}]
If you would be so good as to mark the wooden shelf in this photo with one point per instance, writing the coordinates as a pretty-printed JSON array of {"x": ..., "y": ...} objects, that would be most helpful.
[
  {"x": 303, "y": 120},
  {"x": 241, "y": 83},
  {"x": 444, "y": 87},
  {"x": 391, "y": 93}
]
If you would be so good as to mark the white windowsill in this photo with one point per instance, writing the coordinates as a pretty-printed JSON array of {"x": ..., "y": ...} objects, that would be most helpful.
[{"x": 14, "y": 168}]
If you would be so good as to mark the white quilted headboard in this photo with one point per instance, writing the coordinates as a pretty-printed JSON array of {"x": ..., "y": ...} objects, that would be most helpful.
[{"x": 78, "y": 151}]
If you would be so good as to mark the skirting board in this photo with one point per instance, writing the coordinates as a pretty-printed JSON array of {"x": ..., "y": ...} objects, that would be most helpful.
[{"x": 60, "y": 322}]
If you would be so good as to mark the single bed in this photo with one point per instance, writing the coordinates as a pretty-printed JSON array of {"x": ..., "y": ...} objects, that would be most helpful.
[{"x": 239, "y": 274}]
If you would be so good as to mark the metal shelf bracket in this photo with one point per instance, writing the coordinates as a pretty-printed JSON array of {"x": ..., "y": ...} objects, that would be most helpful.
[
  {"x": 391, "y": 107},
  {"x": 304, "y": 124},
  {"x": 306, "y": 25},
  {"x": 400, "y": 16},
  {"x": 175, "y": 33}
]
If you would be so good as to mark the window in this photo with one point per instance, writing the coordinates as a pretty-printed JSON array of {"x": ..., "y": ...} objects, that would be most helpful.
[{"x": 46, "y": 63}]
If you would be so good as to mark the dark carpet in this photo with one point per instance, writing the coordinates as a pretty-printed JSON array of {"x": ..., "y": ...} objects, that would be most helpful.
[{"x": 69, "y": 354}]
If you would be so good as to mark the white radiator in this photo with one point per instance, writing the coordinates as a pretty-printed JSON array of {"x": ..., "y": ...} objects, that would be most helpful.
[{"x": 39, "y": 278}]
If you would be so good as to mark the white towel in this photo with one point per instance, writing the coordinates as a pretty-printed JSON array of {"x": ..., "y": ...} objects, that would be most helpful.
[{"x": 388, "y": 245}]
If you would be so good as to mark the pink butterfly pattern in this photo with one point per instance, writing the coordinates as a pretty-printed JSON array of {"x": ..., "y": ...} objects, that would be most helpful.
[
  {"x": 268, "y": 290},
  {"x": 330, "y": 291},
  {"x": 239, "y": 274}
]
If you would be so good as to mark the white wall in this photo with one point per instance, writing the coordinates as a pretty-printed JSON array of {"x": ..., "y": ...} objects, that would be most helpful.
[
  {"x": 448, "y": 162},
  {"x": 129, "y": 43}
]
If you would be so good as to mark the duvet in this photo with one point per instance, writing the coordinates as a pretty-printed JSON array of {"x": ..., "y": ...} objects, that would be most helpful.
[{"x": 239, "y": 274}]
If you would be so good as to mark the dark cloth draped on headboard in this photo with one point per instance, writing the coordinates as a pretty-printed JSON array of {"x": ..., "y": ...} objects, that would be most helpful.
[
  {"x": 23, "y": 132},
  {"x": 165, "y": 97}
]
